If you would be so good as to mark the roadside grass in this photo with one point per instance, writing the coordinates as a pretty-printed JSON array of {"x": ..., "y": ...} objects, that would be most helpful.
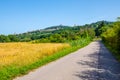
[{"x": 11, "y": 71}]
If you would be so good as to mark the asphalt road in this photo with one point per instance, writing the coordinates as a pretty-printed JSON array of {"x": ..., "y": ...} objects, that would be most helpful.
[{"x": 93, "y": 62}]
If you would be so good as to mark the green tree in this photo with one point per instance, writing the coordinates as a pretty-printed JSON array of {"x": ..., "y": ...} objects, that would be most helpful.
[
  {"x": 4, "y": 38},
  {"x": 13, "y": 38},
  {"x": 56, "y": 38}
]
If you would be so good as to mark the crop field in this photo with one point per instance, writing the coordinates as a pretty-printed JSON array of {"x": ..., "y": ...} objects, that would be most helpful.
[{"x": 20, "y": 54}]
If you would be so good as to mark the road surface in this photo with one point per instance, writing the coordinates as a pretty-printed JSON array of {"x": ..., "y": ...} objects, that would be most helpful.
[{"x": 93, "y": 62}]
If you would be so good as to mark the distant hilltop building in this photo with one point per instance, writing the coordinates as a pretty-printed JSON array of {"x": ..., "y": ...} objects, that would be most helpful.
[{"x": 75, "y": 25}]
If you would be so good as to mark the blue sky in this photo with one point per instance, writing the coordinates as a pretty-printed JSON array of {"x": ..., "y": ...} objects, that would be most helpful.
[{"x": 18, "y": 16}]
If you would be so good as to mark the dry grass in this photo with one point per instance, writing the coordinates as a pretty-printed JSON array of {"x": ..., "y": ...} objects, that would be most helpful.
[{"x": 26, "y": 53}]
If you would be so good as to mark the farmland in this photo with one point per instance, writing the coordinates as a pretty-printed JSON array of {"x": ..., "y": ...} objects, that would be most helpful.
[{"x": 20, "y": 54}]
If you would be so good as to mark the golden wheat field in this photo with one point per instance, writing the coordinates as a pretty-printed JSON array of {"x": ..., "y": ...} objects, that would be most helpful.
[{"x": 25, "y": 53}]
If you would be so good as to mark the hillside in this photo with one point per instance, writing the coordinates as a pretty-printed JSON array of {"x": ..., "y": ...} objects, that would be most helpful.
[{"x": 58, "y": 33}]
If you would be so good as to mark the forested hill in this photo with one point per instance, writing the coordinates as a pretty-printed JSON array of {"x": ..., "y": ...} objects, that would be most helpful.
[{"x": 58, "y": 33}]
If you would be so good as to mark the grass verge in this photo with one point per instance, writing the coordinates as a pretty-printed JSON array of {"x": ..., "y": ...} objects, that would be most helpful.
[{"x": 10, "y": 72}]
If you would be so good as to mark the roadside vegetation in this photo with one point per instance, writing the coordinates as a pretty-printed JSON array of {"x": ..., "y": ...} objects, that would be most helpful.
[{"x": 111, "y": 38}]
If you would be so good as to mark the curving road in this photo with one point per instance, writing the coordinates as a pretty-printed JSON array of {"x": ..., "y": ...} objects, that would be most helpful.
[{"x": 93, "y": 62}]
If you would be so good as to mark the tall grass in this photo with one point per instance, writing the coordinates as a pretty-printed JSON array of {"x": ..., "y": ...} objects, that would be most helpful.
[{"x": 11, "y": 71}]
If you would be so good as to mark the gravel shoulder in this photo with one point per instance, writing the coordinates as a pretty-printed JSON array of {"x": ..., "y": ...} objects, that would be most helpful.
[{"x": 93, "y": 62}]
